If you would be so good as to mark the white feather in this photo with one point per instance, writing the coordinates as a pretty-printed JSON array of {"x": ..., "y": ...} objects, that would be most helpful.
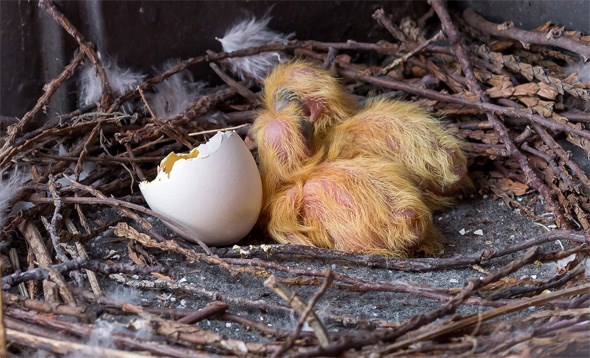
[
  {"x": 120, "y": 80},
  {"x": 175, "y": 94},
  {"x": 582, "y": 69},
  {"x": 253, "y": 33},
  {"x": 9, "y": 188}
]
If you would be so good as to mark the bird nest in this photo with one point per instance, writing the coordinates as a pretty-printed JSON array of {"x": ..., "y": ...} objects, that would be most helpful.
[{"x": 92, "y": 272}]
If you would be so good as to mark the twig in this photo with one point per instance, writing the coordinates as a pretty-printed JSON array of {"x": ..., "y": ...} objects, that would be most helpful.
[
  {"x": 35, "y": 241},
  {"x": 420, "y": 320},
  {"x": 297, "y": 252},
  {"x": 79, "y": 311},
  {"x": 439, "y": 36},
  {"x": 3, "y": 346},
  {"x": 298, "y": 305},
  {"x": 350, "y": 72},
  {"x": 119, "y": 203},
  {"x": 329, "y": 277},
  {"x": 212, "y": 309},
  {"x": 513, "y": 291},
  {"x": 86, "y": 46},
  {"x": 525, "y": 37},
  {"x": 211, "y": 131},
  {"x": 165, "y": 127},
  {"x": 242, "y": 90},
  {"x": 473, "y": 319},
  {"x": 66, "y": 347},
  {"x": 502, "y": 131},
  {"x": 42, "y": 273},
  {"x": 55, "y": 219},
  {"x": 49, "y": 89}
]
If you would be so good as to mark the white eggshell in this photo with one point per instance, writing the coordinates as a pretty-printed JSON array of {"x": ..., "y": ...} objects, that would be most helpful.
[{"x": 217, "y": 195}]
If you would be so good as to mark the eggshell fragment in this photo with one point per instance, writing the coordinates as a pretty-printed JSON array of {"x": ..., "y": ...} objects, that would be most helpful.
[{"x": 214, "y": 191}]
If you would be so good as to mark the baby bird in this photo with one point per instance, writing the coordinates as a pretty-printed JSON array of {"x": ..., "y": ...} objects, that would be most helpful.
[
  {"x": 397, "y": 131},
  {"x": 358, "y": 204}
]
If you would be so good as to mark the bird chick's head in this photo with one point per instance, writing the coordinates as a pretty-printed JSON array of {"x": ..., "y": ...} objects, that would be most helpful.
[
  {"x": 283, "y": 138},
  {"x": 322, "y": 97}
]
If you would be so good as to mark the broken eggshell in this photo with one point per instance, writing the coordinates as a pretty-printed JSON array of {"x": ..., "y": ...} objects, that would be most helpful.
[{"x": 214, "y": 191}]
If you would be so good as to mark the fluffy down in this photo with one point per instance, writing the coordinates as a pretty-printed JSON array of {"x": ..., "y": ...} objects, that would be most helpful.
[
  {"x": 175, "y": 94},
  {"x": 253, "y": 33},
  {"x": 323, "y": 99},
  {"x": 120, "y": 79},
  {"x": 397, "y": 131},
  {"x": 362, "y": 204},
  {"x": 403, "y": 133},
  {"x": 283, "y": 137},
  {"x": 358, "y": 205}
]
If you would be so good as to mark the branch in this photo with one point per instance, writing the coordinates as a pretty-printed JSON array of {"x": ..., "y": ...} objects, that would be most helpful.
[
  {"x": 463, "y": 58},
  {"x": 526, "y": 37}
]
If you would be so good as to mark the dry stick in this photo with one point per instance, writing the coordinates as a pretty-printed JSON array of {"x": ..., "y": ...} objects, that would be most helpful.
[
  {"x": 79, "y": 311},
  {"x": 508, "y": 342},
  {"x": 121, "y": 339},
  {"x": 297, "y": 252},
  {"x": 565, "y": 157},
  {"x": 526, "y": 37},
  {"x": 65, "y": 347},
  {"x": 134, "y": 165},
  {"x": 51, "y": 228},
  {"x": 554, "y": 282},
  {"x": 350, "y": 72},
  {"x": 455, "y": 39},
  {"x": 385, "y": 48},
  {"x": 478, "y": 318},
  {"x": 91, "y": 136},
  {"x": 50, "y": 88},
  {"x": 212, "y": 309},
  {"x": 406, "y": 43},
  {"x": 329, "y": 277},
  {"x": 181, "y": 332},
  {"x": 261, "y": 327},
  {"x": 202, "y": 106},
  {"x": 94, "y": 284},
  {"x": 3, "y": 350},
  {"x": 14, "y": 259},
  {"x": 420, "y": 320},
  {"x": 41, "y": 273},
  {"x": 85, "y": 46},
  {"x": 300, "y": 307},
  {"x": 27, "y": 141},
  {"x": 35, "y": 241},
  {"x": 116, "y": 203},
  {"x": 211, "y": 131},
  {"x": 575, "y": 116},
  {"x": 55, "y": 219},
  {"x": 242, "y": 90},
  {"x": 439, "y": 36},
  {"x": 164, "y": 126},
  {"x": 119, "y": 203},
  {"x": 102, "y": 159},
  {"x": 81, "y": 252}
]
